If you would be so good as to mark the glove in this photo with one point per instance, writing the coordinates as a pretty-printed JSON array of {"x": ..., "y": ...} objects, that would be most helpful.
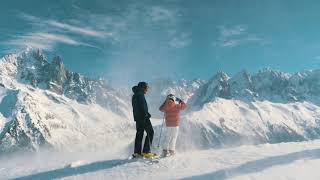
[
  {"x": 148, "y": 116},
  {"x": 178, "y": 100}
]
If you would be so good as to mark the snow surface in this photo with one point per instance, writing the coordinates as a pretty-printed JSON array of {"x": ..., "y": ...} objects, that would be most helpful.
[{"x": 283, "y": 161}]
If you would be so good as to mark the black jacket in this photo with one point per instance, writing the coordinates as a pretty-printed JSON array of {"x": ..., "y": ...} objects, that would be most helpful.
[{"x": 139, "y": 105}]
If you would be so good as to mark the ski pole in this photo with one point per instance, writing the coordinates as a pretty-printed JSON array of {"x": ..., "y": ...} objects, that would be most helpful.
[{"x": 161, "y": 130}]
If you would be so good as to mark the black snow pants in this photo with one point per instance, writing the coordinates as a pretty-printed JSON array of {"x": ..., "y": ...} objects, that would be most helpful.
[{"x": 141, "y": 126}]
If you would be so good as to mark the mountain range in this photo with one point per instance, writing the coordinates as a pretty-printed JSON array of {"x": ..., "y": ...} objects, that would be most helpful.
[{"x": 42, "y": 104}]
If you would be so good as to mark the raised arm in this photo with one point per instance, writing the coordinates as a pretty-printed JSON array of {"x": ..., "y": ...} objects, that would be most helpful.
[
  {"x": 170, "y": 105},
  {"x": 182, "y": 106},
  {"x": 167, "y": 105}
]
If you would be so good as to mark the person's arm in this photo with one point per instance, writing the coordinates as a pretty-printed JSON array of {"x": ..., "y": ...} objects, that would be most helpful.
[
  {"x": 168, "y": 104},
  {"x": 162, "y": 107},
  {"x": 181, "y": 106}
]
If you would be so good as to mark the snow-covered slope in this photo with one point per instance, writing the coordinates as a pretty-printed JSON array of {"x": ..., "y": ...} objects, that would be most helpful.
[
  {"x": 33, "y": 118},
  {"x": 224, "y": 123},
  {"x": 294, "y": 161}
]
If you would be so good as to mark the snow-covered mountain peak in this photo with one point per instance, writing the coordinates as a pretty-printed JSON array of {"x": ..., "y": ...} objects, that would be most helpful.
[
  {"x": 28, "y": 79},
  {"x": 242, "y": 76},
  {"x": 269, "y": 74},
  {"x": 31, "y": 67},
  {"x": 220, "y": 76},
  {"x": 241, "y": 85},
  {"x": 217, "y": 86},
  {"x": 267, "y": 84}
]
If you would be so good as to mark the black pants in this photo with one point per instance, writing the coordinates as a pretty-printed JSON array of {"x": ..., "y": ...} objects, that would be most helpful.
[{"x": 141, "y": 127}]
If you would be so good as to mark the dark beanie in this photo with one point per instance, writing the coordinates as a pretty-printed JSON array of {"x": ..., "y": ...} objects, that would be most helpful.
[{"x": 142, "y": 85}]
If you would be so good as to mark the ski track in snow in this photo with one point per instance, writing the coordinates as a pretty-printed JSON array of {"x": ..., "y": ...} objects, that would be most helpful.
[{"x": 268, "y": 161}]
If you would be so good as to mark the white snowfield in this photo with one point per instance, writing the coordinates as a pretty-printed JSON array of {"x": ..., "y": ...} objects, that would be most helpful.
[
  {"x": 283, "y": 161},
  {"x": 220, "y": 139}
]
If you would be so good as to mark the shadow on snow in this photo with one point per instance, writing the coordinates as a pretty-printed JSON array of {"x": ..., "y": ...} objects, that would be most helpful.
[
  {"x": 71, "y": 171},
  {"x": 246, "y": 168},
  {"x": 259, "y": 165}
]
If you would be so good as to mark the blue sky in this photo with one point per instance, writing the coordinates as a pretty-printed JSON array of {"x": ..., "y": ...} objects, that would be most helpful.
[{"x": 127, "y": 41}]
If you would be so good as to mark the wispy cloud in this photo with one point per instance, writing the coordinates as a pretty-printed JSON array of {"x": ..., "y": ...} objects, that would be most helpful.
[
  {"x": 237, "y": 42},
  {"x": 170, "y": 18},
  {"x": 236, "y": 36},
  {"x": 42, "y": 40},
  {"x": 87, "y": 28},
  {"x": 79, "y": 30},
  {"x": 236, "y": 30},
  {"x": 47, "y": 33},
  {"x": 55, "y": 37},
  {"x": 180, "y": 41}
]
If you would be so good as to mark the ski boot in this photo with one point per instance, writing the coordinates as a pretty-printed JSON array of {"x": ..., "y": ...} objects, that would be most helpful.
[
  {"x": 172, "y": 152},
  {"x": 137, "y": 156},
  {"x": 165, "y": 153},
  {"x": 149, "y": 155}
]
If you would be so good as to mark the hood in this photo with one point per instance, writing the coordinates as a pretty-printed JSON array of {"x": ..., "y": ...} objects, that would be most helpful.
[{"x": 135, "y": 89}]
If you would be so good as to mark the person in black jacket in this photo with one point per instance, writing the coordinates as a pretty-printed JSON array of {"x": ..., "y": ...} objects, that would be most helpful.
[{"x": 142, "y": 118}]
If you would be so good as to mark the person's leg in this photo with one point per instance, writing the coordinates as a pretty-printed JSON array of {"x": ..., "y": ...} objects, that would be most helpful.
[
  {"x": 139, "y": 137},
  {"x": 170, "y": 134},
  {"x": 149, "y": 138},
  {"x": 173, "y": 140},
  {"x": 166, "y": 141}
]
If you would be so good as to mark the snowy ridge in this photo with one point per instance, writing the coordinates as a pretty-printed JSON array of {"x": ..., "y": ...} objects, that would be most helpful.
[{"x": 267, "y": 84}]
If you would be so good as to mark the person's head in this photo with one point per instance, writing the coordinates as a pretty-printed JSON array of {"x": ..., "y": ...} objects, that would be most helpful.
[
  {"x": 143, "y": 86},
  {"x": 171, "y": 97},
  {"x": 135, "y": 89}
]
